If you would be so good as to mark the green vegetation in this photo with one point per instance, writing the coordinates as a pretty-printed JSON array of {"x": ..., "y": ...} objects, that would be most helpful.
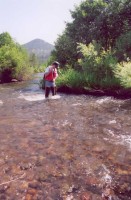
[
  {"x": 14, "y": 61},
  {"x": 95, "y": 48},
  {"x": 123, "y": 73},
  {"x": 98, "y": 66},
  {"x": 71, "y": 78}
]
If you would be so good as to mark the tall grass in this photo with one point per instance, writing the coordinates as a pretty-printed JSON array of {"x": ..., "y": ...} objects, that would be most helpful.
[
  {"x": 71, "y": 78},
  {"x": 76, "y": 79}
]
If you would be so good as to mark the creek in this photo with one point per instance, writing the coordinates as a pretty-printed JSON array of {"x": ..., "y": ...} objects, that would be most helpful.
[{"x": 73, "y": 147}]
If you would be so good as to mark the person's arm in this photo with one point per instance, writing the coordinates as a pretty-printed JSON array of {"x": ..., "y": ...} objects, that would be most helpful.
[{"x": 55, "y": 74}]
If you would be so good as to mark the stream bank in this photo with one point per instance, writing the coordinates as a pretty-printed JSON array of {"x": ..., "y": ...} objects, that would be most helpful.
[{"x": 119, "y": 93}]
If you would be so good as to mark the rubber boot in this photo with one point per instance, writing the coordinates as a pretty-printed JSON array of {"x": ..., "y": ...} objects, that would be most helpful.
[
  {"x": 53, "y": 90},
  {"x": 47, "y": 91}
]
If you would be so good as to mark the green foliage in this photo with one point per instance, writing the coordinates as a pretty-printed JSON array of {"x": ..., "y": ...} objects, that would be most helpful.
[
  {"x": 107, "y": 22},
  {"x": 82, "y": 30},
  {"x": 123, "y": 46},
  {"x": 5, "y": 39},
  {"x": 13, "y": 60},
  {"x": 63, "y": 52},
  {"x": 71, "y": 78},
  {"x": 99, "y": 69},
  {"x": 98, "y": 65},
  {"x": 123, "y": 73}
]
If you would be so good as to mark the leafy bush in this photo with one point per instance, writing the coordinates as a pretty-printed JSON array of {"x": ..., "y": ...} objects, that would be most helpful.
[
  {"x": 14, "y": 60},
  {"x": 98, "y": 65},
  {"x": 123, "y": 73}
]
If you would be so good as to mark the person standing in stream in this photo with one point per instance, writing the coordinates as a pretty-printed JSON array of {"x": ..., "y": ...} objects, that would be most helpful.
[{"x": 50, "y": 75}]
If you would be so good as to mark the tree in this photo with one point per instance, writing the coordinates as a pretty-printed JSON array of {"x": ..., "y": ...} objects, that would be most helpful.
[
  {"x": 14, "y": 62},
  {"x": 5, "y": 39},
  {"x": 81, "y": 30},
  {"x": 64, "y": 46},
  {"x": 101, "y": 20}
]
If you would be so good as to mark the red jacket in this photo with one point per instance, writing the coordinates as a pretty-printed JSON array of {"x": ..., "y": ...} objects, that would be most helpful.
[{"x": 52, "y": 75}]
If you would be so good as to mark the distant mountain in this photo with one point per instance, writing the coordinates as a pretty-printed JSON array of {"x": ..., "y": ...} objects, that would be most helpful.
[{"x": 40, "y": 48}]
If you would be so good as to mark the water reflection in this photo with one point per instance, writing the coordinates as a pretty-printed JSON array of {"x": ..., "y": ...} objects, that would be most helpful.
[{"x": 74, "y": 147}]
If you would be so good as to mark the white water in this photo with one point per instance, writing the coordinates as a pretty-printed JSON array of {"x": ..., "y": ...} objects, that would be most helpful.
[
  {"x": 36, "y": 97},
  {"x": 122, "y": 139},
  {"x": 1, "y": 102}
]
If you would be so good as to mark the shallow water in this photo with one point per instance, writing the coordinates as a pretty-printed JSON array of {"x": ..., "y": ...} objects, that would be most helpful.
[{"x": 69, "y": 148}]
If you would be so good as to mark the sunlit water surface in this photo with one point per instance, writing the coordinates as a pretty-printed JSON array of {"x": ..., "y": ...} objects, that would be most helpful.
[{"x": 68, "y": 148}]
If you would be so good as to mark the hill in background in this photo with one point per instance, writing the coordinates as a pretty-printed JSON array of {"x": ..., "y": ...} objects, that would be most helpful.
[{"x": 40, "y": 48}]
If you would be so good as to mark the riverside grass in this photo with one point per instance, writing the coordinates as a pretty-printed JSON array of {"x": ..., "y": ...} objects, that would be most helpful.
[
  {"x": 71, "y": 78},
  {"x": 78, "y": 79}
]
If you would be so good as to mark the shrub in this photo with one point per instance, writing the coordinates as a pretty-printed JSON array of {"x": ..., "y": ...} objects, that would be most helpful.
[
  {"x": 71, "y": 78},
  {"x": 98, "y": 65},
  {"x": 14, "y": 61},
  {"x": 123, "y": 73}
]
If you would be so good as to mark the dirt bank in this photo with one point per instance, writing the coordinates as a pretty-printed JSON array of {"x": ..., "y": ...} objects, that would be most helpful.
[{"x": 119, "y": 93}]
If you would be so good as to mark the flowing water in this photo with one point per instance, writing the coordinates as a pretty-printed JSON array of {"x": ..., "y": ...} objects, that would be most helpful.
[{"x": 74, "y": 147}]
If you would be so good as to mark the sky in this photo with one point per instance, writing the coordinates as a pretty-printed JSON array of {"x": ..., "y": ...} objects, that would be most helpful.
[{"x": 26, "y": 20}]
